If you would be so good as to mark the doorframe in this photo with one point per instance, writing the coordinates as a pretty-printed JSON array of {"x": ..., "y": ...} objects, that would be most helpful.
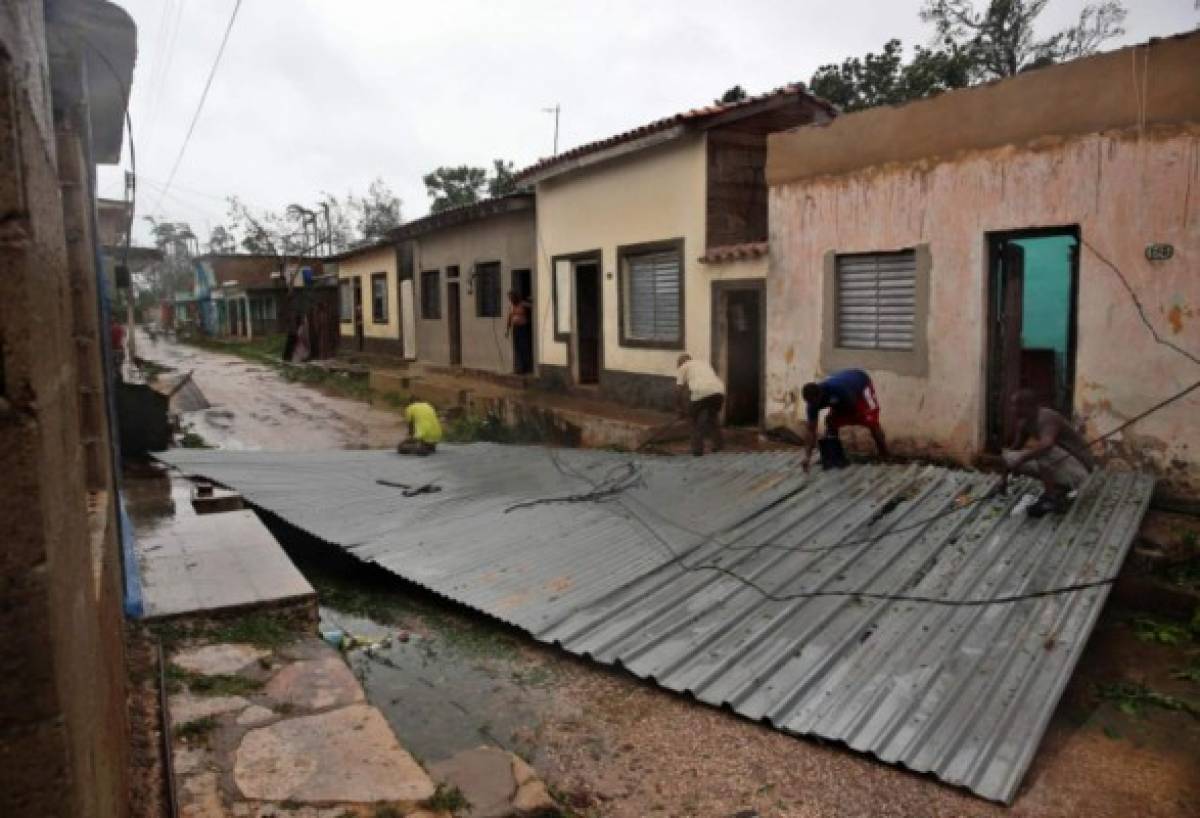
[
  {"x": 993, "y": 248},
  {"x": 589, "y": 256},
  {"x": 719, "y": 290}
]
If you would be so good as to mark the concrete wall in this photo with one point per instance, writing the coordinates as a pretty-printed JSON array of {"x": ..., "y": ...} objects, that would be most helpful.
[
  {"x": 507, "y": 238},
  {"x": 649, "y": 196},
  {"x": 63, "y": 738},
  {"x": 362, "y": 266},
  {"x": 1124, "y": 190}
]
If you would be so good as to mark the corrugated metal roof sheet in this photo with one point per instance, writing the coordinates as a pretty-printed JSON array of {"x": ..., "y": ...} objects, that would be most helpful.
[{"x": 654, "y": 576}]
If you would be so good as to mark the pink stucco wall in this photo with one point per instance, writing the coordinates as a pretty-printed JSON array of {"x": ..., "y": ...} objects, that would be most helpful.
[{"x": 1124, "y": 190}]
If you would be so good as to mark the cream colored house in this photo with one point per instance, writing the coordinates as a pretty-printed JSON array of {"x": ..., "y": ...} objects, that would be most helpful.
[
  {"x": 652, "y": 243},
  {"x": 377, "y": 313}
]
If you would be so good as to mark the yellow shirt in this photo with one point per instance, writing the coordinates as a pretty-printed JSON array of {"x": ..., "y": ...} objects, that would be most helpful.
[{"x": 424, "y": 421}]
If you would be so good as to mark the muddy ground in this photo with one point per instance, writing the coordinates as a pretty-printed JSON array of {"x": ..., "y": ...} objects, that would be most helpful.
[{"x": 612, "y": 746}]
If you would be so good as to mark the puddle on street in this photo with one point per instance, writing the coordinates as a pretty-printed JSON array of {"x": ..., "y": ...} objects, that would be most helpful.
[
  {"x": 446, "y": 680},
  {"x": 439, "y": 697}
]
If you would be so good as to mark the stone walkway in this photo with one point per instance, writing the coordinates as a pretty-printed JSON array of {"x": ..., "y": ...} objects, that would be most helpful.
[{"x": 285, "y": 732}]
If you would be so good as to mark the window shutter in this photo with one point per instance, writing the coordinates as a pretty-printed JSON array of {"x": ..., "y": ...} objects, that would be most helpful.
[
  {"x": 876, "y": 300},
  {"x": 654, "y": 296}
]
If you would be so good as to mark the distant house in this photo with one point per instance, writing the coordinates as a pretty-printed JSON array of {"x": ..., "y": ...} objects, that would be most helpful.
[
  {"x": 464, "y": 262},
  {"x": 372, "y": 311},
  {"x": 987, "y": 239},
  {"x": 652, "y": 243},
  {"x": 245, "y": 295}
]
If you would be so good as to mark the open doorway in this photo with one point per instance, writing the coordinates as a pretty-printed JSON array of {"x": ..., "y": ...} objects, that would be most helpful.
[
  {"x": 588, "y": 318},
  {"x": 522, "y": 334},
  {"x": 1032, "y": 295},
  {"x": 738, "y": 338}
]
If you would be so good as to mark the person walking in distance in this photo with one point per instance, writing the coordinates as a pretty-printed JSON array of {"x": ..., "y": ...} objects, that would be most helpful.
[{"x": 701, "y": 395}]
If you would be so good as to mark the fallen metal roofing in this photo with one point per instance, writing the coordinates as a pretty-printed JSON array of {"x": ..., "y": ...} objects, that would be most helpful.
[{"x": 858, "y": 606}]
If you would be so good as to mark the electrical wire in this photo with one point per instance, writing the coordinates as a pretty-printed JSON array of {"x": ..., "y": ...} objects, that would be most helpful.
[
  {"x": 602, "y": 493},
  {"x": 132, "y": 151},
  {"x": 200, "y": 105}
]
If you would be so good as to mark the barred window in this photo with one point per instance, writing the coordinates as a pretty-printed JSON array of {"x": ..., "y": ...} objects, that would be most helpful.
[
  {"x": 876, "y": 300},
  {"x": 379, "y": 298},
  {"x": 431, "y": 294}
]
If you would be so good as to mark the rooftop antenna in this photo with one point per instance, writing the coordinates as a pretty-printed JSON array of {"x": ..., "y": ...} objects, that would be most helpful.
[{"x": 555, "y": 110}]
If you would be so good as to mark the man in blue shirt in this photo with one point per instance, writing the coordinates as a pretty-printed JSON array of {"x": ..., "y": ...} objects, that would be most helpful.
[{"x": 850, "y": 398}]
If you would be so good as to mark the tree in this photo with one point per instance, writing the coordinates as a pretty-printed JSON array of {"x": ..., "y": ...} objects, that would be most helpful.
[
  {"x": 378, "y": 212},
  {"x": 1001, "y": 38},
  {"x": 454, "y": 187},
  {"x": 173, "y": 272},
  {"x": 503, "y": 180},
  {"x": 222, "y": 240},
  {"x": 885, "y": 79},
  {"x": 969, "y": 46},
  {"x": 735, "y": 94}
]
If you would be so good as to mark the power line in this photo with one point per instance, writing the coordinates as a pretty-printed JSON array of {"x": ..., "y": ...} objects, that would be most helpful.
[{"x": 203, "y": 96}]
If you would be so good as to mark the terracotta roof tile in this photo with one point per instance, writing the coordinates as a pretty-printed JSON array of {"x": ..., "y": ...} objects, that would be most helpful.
[
  {"x": 695, "y": 115},
  {"x": 735, "y": 252}
]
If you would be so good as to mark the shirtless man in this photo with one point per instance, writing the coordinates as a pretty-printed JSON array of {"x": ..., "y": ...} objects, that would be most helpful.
[{"x": 1059, "y": 456}]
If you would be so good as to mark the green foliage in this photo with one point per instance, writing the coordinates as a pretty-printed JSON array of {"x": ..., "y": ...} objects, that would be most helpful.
[
  {"x": 735, "y": 94},
  {"x": 1132, "y": 699},
  {"x": 261, "y": 630},
  {"x": 969, "y": 46},
  {"x": 196, "y": 729},
  {"x": 193, "y": 440},
  {"x": 1001, "y": 40},
  {"x": 387, "y": 811},
  {"x": 448, "y": 799},
  {"x": 503, "y": 180},
  {"x": 1189, "y": 672},
  {"x": 1149, "y": 629},
  {"x": 220, "y": 684},
  {"x": 885, "y": 79},
  {"x": 451, "y": 187},
  {"x": 490, "y": 428}
]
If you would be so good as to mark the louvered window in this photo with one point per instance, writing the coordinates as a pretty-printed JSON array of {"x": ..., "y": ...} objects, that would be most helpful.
[
  {"x": 876, "y": 300},
  {"x": 652, "y": 297}
]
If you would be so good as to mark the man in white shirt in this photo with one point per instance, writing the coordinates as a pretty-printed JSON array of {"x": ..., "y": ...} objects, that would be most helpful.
[{"x": 700, "y": 396}]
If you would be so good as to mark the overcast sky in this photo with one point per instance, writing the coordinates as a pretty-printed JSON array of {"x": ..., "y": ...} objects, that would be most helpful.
[{"x": 316, "y": 95}]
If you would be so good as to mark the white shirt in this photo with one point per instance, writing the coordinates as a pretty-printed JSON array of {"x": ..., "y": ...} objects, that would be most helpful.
[{"x": 700, "y": 380}]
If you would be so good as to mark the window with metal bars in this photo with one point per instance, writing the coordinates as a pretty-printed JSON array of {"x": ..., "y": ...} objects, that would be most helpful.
[
  {"x": 431, "y": 294},
  {"x": 652, "y": 287},
  {"x": 379, "y": 298},
  {"x": 876, "y": 300},
  {"x": 487, "y": 290}
]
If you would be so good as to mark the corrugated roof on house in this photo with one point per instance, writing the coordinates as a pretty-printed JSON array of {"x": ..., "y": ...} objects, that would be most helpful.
[
  {"x": 254, "y": 271},
  {"x": 910, "y": 612},
  {"x": 698, "y": 118}
]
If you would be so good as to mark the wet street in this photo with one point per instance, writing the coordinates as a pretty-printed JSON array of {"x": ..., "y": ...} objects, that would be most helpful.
[
  {"x": 449, "y": 680},
  {"x": 252, "y": 407}
]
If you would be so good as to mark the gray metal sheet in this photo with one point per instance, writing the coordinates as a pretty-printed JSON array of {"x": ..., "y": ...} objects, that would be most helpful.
[{"x": 653, "y": 578}]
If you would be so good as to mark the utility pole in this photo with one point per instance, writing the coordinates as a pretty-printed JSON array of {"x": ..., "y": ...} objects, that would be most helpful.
[{"x": 555, "y": 110}]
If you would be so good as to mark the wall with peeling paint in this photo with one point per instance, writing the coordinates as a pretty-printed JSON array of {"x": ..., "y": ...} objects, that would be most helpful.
[{"x": 1124, "y": 190}]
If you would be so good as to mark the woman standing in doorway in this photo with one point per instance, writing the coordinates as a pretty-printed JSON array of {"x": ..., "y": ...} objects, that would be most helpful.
[{"x": 518, "y": 325}]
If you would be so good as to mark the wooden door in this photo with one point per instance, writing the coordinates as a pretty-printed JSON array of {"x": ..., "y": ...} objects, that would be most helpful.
[
  {"x": 454, "y": 322},
  {"x": 588, "y": 318},
  {"x": 743, "y": 327},
  {"x": 359, "y": 340}
]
